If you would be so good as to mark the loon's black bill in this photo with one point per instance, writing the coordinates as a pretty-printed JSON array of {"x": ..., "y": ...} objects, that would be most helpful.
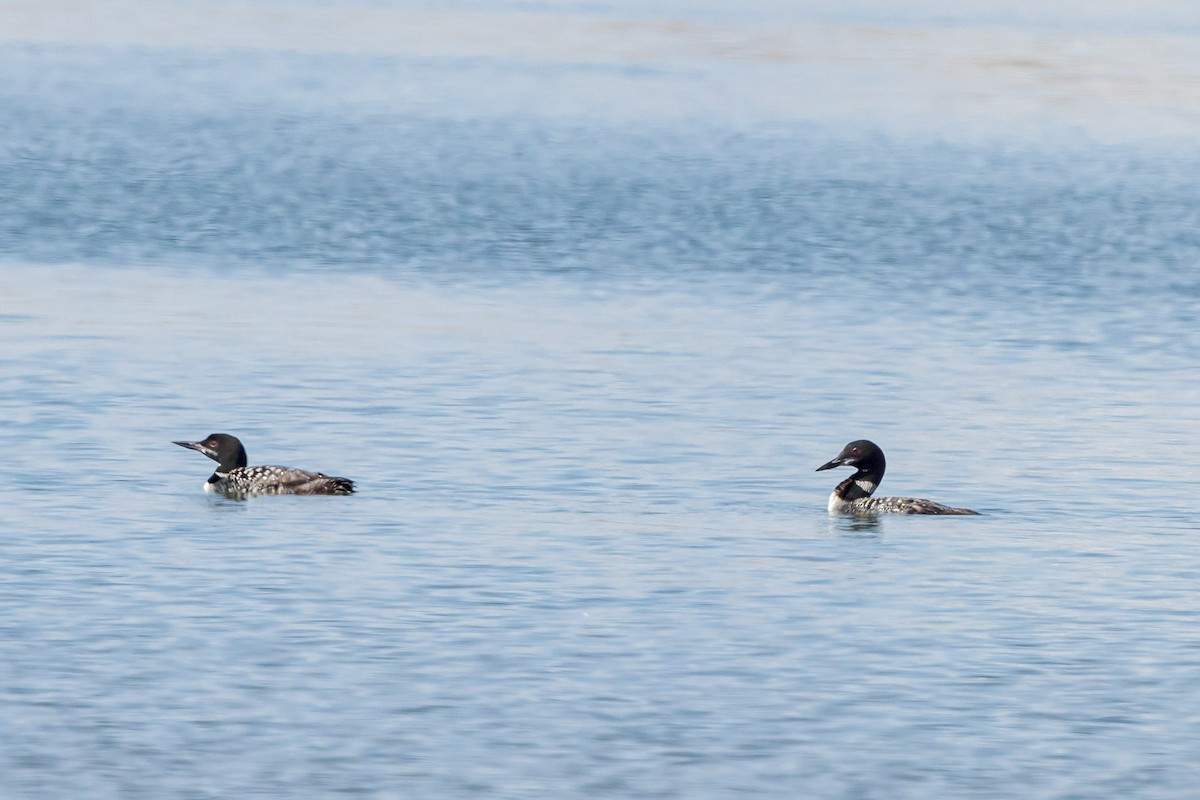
[
  {"x": 199, "y": 447},
  {"x": 837, "y": 462}
]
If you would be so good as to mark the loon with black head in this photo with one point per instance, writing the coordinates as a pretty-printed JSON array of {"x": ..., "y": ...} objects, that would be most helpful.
[
  {"x": 235, "y": 480},
  {"x": 853, "y": 495}
]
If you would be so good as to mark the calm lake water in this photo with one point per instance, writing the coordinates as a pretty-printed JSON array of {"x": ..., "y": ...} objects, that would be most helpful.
[{"x": 582, "y": 330}]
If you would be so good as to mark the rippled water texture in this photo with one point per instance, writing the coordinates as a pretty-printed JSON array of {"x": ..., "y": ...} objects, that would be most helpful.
[{"x": 581, "y": 314}]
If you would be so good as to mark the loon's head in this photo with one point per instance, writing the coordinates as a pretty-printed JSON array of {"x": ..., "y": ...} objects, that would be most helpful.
[
  {"x": 226, "y": 450},
  {"x": 863, "y": 454}
]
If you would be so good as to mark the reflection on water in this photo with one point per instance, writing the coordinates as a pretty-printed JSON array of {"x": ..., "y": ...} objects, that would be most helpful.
[{"x": 868, "y": 527}]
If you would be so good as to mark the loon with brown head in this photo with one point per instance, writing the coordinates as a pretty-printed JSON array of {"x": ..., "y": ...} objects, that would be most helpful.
[{"x": 854, "y": 495}]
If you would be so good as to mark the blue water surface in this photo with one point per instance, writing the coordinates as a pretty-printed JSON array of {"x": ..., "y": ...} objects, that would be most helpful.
[{"x": 582, "y": 366}]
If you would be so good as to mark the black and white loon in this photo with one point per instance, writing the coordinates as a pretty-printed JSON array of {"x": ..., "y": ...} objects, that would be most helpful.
[
  {"x": 853, "y": 495},
  {"x": 234, "y": 479}
]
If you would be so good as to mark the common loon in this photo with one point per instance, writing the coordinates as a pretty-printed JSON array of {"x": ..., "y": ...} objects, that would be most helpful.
[
  {"x": 234, "y": 479},
  {"x": 853, "y": 495}
]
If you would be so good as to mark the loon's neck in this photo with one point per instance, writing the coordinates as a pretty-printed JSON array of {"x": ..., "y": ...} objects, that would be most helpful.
[
  {"x": 859, "y": 485},
  {"x": 231, "y": 461}
]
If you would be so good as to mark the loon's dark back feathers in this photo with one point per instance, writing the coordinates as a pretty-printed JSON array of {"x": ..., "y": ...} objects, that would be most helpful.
[
  {"x": 869, "y": 506},
  {"x": 250, "y": 481}
]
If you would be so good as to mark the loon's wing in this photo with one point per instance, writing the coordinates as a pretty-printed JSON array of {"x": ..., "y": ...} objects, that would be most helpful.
[
  {"x": 904, "y": 505},
  {"x": 915, "y": 505},
  {"x": 299, "y": 481}
]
